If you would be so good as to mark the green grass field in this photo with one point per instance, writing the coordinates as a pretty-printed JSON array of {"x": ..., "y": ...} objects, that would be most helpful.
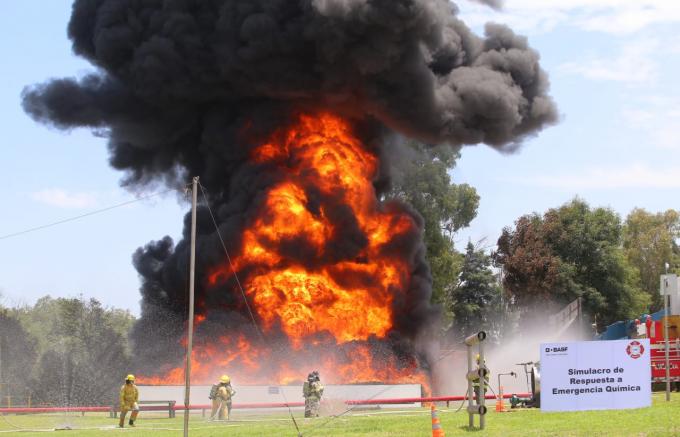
[{"x": 662, "y": 419}]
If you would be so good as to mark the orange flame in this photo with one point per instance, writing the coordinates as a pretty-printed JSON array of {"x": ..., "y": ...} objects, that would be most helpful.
[{"x": 330, "y": 310}]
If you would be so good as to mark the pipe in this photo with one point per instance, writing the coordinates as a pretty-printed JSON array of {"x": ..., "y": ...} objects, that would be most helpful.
[
  {"x": 56, "y": 410},
  {"x": 475, "y": 338},
  {"x": 428, "y": 399},
  {"x": 106, "y": 409}
]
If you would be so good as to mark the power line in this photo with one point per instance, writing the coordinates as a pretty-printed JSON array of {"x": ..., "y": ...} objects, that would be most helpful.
[
  {"x": 233, "y": 269},
  {"x": 78, "y": 217}
]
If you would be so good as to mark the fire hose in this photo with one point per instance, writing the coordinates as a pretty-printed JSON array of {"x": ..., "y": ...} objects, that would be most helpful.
[{"x": 217, "y": 411}]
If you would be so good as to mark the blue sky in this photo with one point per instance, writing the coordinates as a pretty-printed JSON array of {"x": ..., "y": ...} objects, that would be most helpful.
[{"x": 613, "y": 67}]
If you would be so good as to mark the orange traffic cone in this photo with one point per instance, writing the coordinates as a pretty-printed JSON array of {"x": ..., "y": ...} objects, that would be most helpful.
[
  {"x": 437, "y": 430},
  {"x": 500, "y": 403}
]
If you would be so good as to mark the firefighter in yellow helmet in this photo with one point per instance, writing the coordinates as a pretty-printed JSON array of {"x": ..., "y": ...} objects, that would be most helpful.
[
  {"x": 129, "y": 398},
  {"x": 475, "y": 382},
  {"x": 312, "y": 390},
  {"x": 220, "y": 395}
]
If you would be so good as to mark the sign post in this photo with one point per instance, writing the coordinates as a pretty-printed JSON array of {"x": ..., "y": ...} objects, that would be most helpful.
[
  {"x": 669, "y": 286},
  {"x": 595, "y": 375}
]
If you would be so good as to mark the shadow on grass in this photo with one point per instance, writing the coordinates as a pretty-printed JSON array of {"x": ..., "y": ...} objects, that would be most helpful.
[{"x": 468, "y": 429}]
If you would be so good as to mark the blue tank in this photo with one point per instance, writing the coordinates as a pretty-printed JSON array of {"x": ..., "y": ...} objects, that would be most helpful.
[{"x": 622, "y": 329}]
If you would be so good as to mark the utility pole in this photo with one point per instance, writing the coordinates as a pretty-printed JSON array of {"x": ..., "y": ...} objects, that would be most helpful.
[
  {"x": 665, "y": 335},
  {"x": 190, "y": 328}
]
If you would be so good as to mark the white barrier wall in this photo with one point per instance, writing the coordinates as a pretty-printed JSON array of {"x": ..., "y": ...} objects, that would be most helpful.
[{"x": 262, "y": 394}]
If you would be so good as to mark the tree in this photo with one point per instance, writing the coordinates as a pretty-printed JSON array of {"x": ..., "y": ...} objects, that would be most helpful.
[
  {"x": 476, "y": 299},
  {"x": 533, "y": 273},
  {"x": 17, "y": 358},
  {"x": 569, "y": 252},
  {"x": 650, "y": 241},
  {"x": 83, "y": 351},
  {"x": 422, "y": 180}
]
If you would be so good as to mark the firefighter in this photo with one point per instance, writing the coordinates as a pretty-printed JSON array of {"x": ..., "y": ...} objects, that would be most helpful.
[
  {"x": 129, "y": 398},
  {"x": 312, "y": 390},
  {"x": 475, "y": 381},
  {"x": 220, "y": 395}
]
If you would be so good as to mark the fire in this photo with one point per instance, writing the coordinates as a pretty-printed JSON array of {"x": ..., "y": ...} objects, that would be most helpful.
[
  {"x": 306, "y": 303},
  {"x": 318, "y": 266}
]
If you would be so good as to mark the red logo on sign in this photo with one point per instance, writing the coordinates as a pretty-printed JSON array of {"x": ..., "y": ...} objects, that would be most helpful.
[{"x": 635, "y": 349}]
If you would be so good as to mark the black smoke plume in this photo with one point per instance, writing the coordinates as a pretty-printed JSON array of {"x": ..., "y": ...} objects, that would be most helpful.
[
  {"x": 178, "y": 81},
  {"x": 494, "y": 4}
]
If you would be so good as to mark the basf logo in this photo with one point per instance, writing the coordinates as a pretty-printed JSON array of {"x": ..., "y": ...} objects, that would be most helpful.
[{"x": 556, "y": 350}]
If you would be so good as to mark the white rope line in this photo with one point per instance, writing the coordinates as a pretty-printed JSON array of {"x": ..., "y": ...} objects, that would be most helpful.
[
  {"x": 243, "y": 294},
  {"x": 231, "y": 265},
  {"x": 78, "y": 217}
]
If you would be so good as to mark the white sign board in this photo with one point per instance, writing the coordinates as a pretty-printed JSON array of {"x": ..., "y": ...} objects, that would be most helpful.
[{"x": 595, "y": 375}]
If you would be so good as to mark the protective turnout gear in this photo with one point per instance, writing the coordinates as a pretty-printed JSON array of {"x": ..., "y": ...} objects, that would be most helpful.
[
  {"x": 129, "y": 398},
  {"x": 221, "y": 394},
  {"x": 312, "y": 390},
  {"x": 475, "y": 381}
]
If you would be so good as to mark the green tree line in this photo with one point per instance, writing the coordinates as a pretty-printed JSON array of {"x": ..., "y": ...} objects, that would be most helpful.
[
  {"x": 575, "y": 251},
  {"x": 63, "y": 352},
  {"x": 542, "y": 262}
]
